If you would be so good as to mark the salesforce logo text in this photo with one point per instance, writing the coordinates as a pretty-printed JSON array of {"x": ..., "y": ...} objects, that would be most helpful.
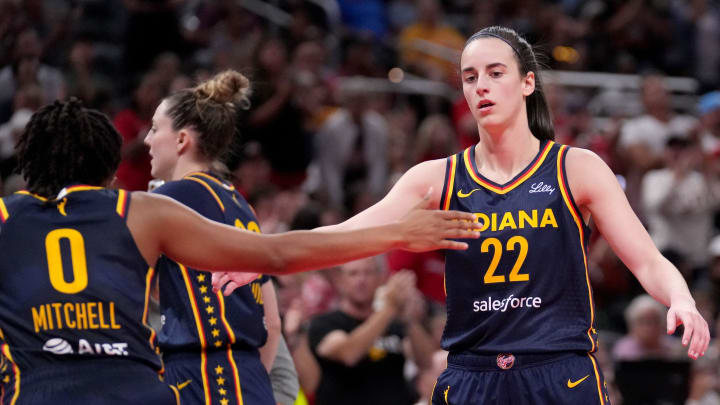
[{"x": 511, "y": 302}]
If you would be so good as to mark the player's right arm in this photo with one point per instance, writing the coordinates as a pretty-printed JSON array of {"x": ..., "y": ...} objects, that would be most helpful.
[{"x": 161, "y": 225}]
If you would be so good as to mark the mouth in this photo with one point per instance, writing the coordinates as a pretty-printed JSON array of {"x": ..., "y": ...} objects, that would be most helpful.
[{"x": 485, "y": 105}]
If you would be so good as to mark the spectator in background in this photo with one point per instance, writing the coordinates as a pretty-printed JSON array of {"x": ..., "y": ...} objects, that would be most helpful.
[
  {"x": 275, "y": 118},
  {"x": 26, "y": 68},
  {"x": 350, "y": 148},
  {"x": 152, "y": 28},
  {"x": 360, "y": 346},
  {"x": 83, "y": 80},
  {"x": 706, "y": 16},
  {"x": 133, "y": 124},
  {"x": 427, "y": 378},
  {"x": 646, "y": 336},
  {"x": 643, "y": 138},
  {"x": 704, "y": 383},
  {"x": 429, "y": 47},
  {"x": 709, "y": 127},
  {"x": 679, "y": 203},
  {"x": 435, "y": 139}
]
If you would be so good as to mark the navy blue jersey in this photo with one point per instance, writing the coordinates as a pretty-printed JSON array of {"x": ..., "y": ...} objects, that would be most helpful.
[
  {"x": 73, "y": 284},
  {"x": 523, "y": 286},
  {"x": 193, "y": 316}
]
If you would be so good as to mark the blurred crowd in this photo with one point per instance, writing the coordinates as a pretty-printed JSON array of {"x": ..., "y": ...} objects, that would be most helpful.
[{"x": 322, "y": 141}]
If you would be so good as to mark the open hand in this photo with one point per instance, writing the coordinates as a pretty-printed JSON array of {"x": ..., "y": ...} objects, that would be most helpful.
[
  {"x": 426, "y": 229},
  {"x": 696, "y": 334}
]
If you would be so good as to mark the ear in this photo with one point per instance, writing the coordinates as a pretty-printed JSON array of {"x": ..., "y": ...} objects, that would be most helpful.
[
  {"x": 183, "y": 141},
  {"x": 528, "y": 84}
]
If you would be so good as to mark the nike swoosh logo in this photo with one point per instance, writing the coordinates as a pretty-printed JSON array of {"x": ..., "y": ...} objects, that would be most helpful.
[
  {"x": 573, "y": 384},
  {"x": 185, "y": 384},
  {"x": 463, "y": 195}
]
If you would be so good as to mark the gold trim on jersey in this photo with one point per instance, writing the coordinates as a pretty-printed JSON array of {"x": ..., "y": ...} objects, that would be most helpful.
[
  {"x": 81, "y": 187},
  {"x": 576, "y": 217},
  {"x": 177, "y": 394},
  {"x": 201, "y": 332},
  {"x": 229, "y": 330},
  {"x": 209, "y": 177},
  {"x": 121, "y": 207},
  {"x": 25, "y": 192},
  {"x": 236, "y": 376},
  {"x": 509, "y": 187},
  {"x": 597, "y": 378},
  {"x": 4, "y": 215},
  {"x": 16, "y": 371},
  {"x": 148, "y": 287},
  {"x": 207, "y": 186},
  {"x": 450, "y": 184}
]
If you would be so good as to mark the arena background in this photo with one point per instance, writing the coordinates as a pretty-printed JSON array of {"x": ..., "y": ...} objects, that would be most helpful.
[{"x": 348, "y": 94}]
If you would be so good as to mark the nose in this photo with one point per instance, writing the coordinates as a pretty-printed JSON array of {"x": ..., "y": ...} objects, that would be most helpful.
[
  {"x": 146, "y": 140},
  {"x": 481, "y": 86}
]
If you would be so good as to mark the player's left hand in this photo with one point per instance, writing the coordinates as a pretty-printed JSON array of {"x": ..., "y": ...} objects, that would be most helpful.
[
  {"x": 696, "y": 334},
  {"x": 229, "y": 281}
]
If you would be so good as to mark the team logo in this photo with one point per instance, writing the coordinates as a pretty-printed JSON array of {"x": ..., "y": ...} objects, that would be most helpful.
[
  {"x": 505, "y": 360},
  {"x": 465, "y": 195},
  {"x": 57, "y": 346}
]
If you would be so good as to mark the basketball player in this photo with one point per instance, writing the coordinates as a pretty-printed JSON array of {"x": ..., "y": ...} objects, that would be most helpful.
[
  {"x": 521, "y": 321},
  {"x": 213, "y": 346},
  {"x": 75, "y": 265}
]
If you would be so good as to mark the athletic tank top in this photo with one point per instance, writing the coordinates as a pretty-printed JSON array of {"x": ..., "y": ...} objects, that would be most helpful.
[
  {"x": 73, "y": 283},
  {"x": 523, "y": 286},
  {"x": 194, "y": 317}
]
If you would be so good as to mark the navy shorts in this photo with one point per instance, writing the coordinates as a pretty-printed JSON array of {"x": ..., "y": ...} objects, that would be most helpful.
[
  {"x": 227, "y": 377},
  {"x": 97, "y": 381},
  {"x": 548, "y": 379}
]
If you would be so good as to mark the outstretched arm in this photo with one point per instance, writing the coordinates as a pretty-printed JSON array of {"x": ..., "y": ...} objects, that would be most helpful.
[
  {"x": 597, "y": 192},
  {"x": 409, "y": 191},
  {"x": 160, "y": 225}
]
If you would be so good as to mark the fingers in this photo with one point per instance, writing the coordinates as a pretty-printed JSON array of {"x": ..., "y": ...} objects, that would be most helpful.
[
  {"x": 460, "y": 234},
  {"x": 458, "y": 215},
  {"x": 698, "y": 335},
  {"x": 219, "y": 280},
  {"x": 230, "y": 287},
  {"x": 452, "y": 245}
]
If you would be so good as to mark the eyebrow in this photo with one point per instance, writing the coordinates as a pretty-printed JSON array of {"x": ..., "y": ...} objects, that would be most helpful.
[{"x": 489, "y": 66}]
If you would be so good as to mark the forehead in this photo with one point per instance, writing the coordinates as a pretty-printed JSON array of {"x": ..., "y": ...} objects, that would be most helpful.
[
  {"x": 485, "y": 51},
  {"x": 160, "y": 111}
]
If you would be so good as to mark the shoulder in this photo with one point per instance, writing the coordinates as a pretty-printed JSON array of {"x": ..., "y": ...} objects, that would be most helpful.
[
  {"x": 586, "y": 174},
  {"x": 192, "y": 193},
  {"x": 183, "y": 190},
  {"x": 582, "y": 159}
]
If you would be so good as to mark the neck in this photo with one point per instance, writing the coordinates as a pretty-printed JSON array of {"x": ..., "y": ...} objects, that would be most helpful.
[
  {"x": 360, "y": 311},
  {"x": 505, "y": 152},
  {"x": 185, "y": 167}
]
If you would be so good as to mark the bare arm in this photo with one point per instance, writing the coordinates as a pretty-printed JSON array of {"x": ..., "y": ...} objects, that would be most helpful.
[
  {"x": 350, "y": 348},
  {"x": 159, "y": 224},
  {"x": 421, "y": 344},
  {"x": 598, "y": 193},
  {"x": 405, "y": 194},
  {"x": 272, "y": 322}
]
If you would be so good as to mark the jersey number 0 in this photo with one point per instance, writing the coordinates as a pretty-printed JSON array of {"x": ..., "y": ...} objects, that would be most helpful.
[{"x": 55, "y": 265}]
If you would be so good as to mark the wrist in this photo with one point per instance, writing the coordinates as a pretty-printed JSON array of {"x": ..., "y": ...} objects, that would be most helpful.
[{"x": 682, "y": 299}]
